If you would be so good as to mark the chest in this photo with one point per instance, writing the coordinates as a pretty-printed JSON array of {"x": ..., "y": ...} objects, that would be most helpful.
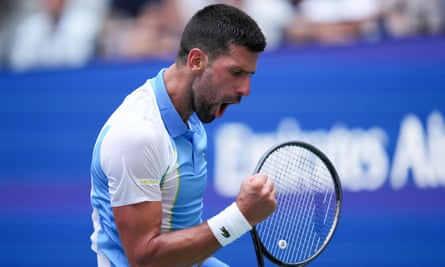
[
  {"x": 192, "y": 167},
  {"x": 185, "y": 183}
]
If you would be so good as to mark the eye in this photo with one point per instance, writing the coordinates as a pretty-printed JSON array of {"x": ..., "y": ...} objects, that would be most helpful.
[
  {"x": 240, "y": 73},
  {"x": 237, "y": 73}
]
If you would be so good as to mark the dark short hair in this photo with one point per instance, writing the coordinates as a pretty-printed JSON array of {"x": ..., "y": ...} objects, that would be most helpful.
[{"x": 215, "y": 27}]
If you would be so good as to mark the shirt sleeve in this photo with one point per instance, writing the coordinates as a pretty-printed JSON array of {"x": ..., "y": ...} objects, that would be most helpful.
[
  {"x": 213, "y": 262},
  {"x": 134, "y": 158}
]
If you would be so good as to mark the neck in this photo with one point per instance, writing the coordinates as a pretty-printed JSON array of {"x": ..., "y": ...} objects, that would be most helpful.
[{"x": 178, "y": 85}]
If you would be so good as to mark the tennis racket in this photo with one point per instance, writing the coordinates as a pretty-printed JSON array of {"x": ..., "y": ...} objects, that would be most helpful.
[{"x": 308, "y": 205}]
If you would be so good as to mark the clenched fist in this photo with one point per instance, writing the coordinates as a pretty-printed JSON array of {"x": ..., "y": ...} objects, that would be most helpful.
[{"x": 257, "y": 198}]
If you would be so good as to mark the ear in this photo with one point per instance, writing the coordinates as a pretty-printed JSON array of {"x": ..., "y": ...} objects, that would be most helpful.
[{"x": 197, "y": 60}]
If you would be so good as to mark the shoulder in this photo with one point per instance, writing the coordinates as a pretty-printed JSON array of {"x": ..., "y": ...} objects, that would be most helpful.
[
  {"x": 134, "y": 135},
  {"x": 137, "y": 124},
  {"x": 138, "y": 129}
]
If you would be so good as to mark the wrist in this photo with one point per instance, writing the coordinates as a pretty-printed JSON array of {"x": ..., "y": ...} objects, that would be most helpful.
[{"x": 229, "y": 225}]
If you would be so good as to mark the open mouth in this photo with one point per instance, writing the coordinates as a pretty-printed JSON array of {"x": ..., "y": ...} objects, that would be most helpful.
[{"x": 222, "y": 109}]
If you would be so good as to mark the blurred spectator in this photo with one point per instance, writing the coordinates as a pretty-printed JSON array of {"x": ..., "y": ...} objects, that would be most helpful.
[
  {"x": 408, "y": 18},
  {"x": 59, "y": 34},
  {"x": 187, "y": 8},
  {"x": 6, "y": 11},
  {"x": 140, "y": 29},
  {"x": 128, "y": 8},
  {"x": 333, "y": 21},
  {"x": 272, "y": 16},
  {"x": 152, "y": 28}
]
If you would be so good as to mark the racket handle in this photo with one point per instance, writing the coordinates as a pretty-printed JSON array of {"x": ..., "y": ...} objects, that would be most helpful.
[{"x": 257, "y": 245}]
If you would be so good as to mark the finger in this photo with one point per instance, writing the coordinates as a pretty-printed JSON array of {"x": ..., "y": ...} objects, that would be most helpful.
[
  {"x": 261, "y": 178},
  {"x": 257, "y": 181},
  {"x": 269, "y": 184},
  {"x": 274, "y": 193},
  {"x": 271, "y": 189}
]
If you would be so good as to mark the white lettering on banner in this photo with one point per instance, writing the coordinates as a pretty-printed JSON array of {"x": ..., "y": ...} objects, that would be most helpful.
[
  {"x": 422, "y": 154},
  {"x": 360, "y": 156}
]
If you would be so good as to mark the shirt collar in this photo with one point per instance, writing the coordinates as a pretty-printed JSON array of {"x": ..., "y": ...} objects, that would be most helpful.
[{"x": 172, "y": 121}]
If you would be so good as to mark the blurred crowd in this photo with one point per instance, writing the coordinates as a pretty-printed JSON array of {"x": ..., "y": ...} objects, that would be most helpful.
[{"x": 63, "y": 33}]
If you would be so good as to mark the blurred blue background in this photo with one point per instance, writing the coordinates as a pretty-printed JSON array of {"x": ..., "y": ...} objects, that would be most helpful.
[{"x": 388, "y": 99}]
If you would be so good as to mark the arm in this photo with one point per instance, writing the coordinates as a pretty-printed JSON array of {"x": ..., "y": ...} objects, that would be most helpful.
[{"x": 139, "y": 228}]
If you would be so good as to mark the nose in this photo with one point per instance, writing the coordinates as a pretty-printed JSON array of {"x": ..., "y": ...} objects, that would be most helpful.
[{"x": 244, "y": 88}]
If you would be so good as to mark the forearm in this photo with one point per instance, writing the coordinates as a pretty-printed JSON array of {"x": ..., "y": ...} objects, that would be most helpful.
[
  {"x": 192, "y": 245},
  {"x": 178, "y": 248}
]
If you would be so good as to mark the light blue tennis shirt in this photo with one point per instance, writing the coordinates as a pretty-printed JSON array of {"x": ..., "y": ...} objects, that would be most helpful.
[{"x": 145, "y": 152}]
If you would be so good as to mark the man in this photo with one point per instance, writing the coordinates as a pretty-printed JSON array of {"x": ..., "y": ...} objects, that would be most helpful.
[
  {"x": 148, "y": 167},
  {"x": 58, "y": 34}
]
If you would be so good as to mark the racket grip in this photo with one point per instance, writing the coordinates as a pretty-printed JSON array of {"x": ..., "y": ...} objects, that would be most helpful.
[{"x": 257, "y": 246}]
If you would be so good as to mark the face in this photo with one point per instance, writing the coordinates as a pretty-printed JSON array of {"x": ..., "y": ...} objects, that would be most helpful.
[{"x": 224, "y": 82}]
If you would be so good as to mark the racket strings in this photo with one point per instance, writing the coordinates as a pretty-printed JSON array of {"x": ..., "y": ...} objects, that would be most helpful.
[{"x": 305, "y": 212}]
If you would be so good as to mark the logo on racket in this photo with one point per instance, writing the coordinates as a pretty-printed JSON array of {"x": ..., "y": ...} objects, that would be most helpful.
[{"x": 224, "y": 232}]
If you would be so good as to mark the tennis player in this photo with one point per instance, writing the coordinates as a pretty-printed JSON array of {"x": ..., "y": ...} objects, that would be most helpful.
[{"x": 148, "y": 168}]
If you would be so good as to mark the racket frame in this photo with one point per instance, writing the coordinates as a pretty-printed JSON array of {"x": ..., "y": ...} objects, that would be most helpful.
[{"x": 260, "y": 250}]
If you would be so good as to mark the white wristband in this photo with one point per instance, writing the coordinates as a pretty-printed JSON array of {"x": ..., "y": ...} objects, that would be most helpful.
[{"x": 229, "y": 225}]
